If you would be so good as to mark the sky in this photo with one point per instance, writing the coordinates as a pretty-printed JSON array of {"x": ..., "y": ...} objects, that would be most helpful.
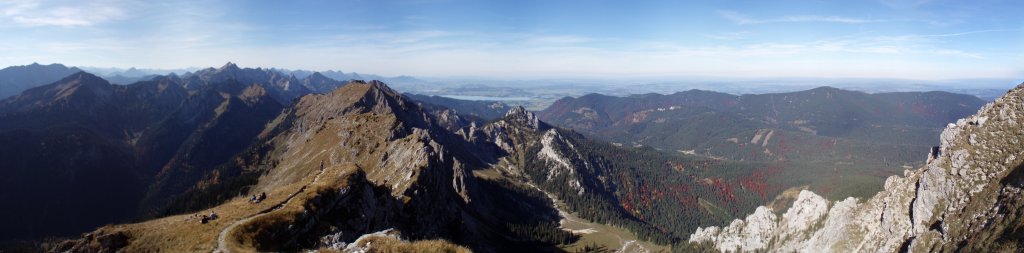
[{"x": 904, "y": 39}]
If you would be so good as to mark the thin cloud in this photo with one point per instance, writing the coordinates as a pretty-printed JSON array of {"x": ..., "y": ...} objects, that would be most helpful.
[
  {"x": 950, "y": 52},
  {"x": 433, "y": 53},
  {"x": 909, "y": 38},
  {"x": 557, "y": 39},
  {"x": 490, "y": 54},
  {"x": 904, "y": 3},
  {"x": 729, "y": 35},
  {"x": 742, "y": 19},
  {"x": 392, "y": 38},
  {"x": 207, "y": 35},
  {"x": 970, "y": 32},
  {"x": 45, "y": 13}
]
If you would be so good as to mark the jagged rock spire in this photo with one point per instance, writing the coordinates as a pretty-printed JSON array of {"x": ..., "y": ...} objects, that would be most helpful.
[
  {"x": 519, "y": 114},
  {"x": 229, "y": 66}
]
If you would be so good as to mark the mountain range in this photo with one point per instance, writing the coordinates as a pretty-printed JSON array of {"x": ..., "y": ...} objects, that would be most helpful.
[
  {"x": 130, "y": 148},
  {"x": 15, "y": 79},
  {"x": 402, "y": 170},
  {"x": 357, "y": 166}
]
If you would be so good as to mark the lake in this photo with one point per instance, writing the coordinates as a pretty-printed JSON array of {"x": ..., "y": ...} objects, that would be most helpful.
[{"x": 487, "y": 98}]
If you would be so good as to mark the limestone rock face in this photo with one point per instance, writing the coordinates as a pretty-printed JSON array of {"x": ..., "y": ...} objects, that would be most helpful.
[
  {"x": 521, "y": 115},
  {"x": 966, "y": 198},
  {"x": 521, "y": 129},
  {"x": 750, "y": 233}
]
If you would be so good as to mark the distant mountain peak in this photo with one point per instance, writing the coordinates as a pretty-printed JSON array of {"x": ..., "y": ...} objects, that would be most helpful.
[
  {"x": 51, "y": 65},
  {"x": 79, "y": 90},
  {"x": 517, "y": 110},
  {"x": 519, "y": 114},
  {"x": 373, "y": 86},
  {"x": 84, "y": 77},
  {"x": 827, "y": 88},
  {"x": 229, "y": 66},
  {"x": 382, "y": 86},
  {"x": 357, "y": 95},
  {"x": 93, "y": 83},
  {"x": 316, "y": 75}
]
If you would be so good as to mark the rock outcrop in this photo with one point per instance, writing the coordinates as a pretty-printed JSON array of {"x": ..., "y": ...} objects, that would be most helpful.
[
  {"x": 965, "y": 198},
  {"x": 521, "y": 131}
]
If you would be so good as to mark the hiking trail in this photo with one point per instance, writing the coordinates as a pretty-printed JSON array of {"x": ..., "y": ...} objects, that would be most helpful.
[{"x": 222, "y": 237}]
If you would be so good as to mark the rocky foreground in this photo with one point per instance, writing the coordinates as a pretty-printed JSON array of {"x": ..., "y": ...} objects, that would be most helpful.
[{"x": 966, "y": 198}]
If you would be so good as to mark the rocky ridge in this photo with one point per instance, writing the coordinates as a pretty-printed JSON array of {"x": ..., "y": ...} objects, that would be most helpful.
[
  {"x": 965, "y": 198},
  {"x": 15, "y": 79},
  {"x": 353, "y": 161},
  {"x": 371, "y": 126}
]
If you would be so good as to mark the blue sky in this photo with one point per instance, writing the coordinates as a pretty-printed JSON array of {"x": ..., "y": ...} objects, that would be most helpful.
[{"x": 908, "y": 39}]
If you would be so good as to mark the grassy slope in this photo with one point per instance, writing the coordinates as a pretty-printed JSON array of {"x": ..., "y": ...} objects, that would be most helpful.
[{"x": 185, "y": 233}]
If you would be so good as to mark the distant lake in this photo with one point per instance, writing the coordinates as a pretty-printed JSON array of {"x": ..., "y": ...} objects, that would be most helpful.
[{"x": 487, "y": 98}]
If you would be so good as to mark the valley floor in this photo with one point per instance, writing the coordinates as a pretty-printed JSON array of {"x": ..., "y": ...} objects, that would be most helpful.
[{"x": 611, "y": 237}]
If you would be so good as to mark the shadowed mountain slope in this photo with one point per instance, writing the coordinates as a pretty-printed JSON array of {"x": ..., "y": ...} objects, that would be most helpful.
[{"x": 81, "y": 146}]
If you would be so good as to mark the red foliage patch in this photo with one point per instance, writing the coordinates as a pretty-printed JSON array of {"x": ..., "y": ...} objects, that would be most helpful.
[
  {"x": 683, "y": 194},
  {"x": 678, "y": 166},
  {"x": 923, "y": 110},
  {"x": 730, "y": 102},
  {"x": 827, "y": 144},
  {"x": 725, "y": 191},
  {"x": 781, "y": 147},
  {"x": 757, "y": 181}
]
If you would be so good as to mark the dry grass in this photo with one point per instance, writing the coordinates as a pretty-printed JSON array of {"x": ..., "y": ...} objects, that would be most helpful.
[
  {"x": 298, "y": 167},
  {"x": 346, "y": 139},
  {"x": 256, "y": 233},
  {"x": 182, "y": 233},
  {"x": 393, "y": 245}
]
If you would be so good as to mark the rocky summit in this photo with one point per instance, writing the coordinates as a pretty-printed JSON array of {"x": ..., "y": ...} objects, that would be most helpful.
[{"x": 966, "y": 198}]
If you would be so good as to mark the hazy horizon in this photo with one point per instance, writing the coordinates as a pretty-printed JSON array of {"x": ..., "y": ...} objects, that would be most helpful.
[
  {"x": 887, "y": 39},
  {"x": 601, "y": 79}
]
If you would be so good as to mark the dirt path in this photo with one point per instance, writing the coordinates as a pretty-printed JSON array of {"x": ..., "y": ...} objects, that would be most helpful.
[{"x": 222, "y": 237}]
